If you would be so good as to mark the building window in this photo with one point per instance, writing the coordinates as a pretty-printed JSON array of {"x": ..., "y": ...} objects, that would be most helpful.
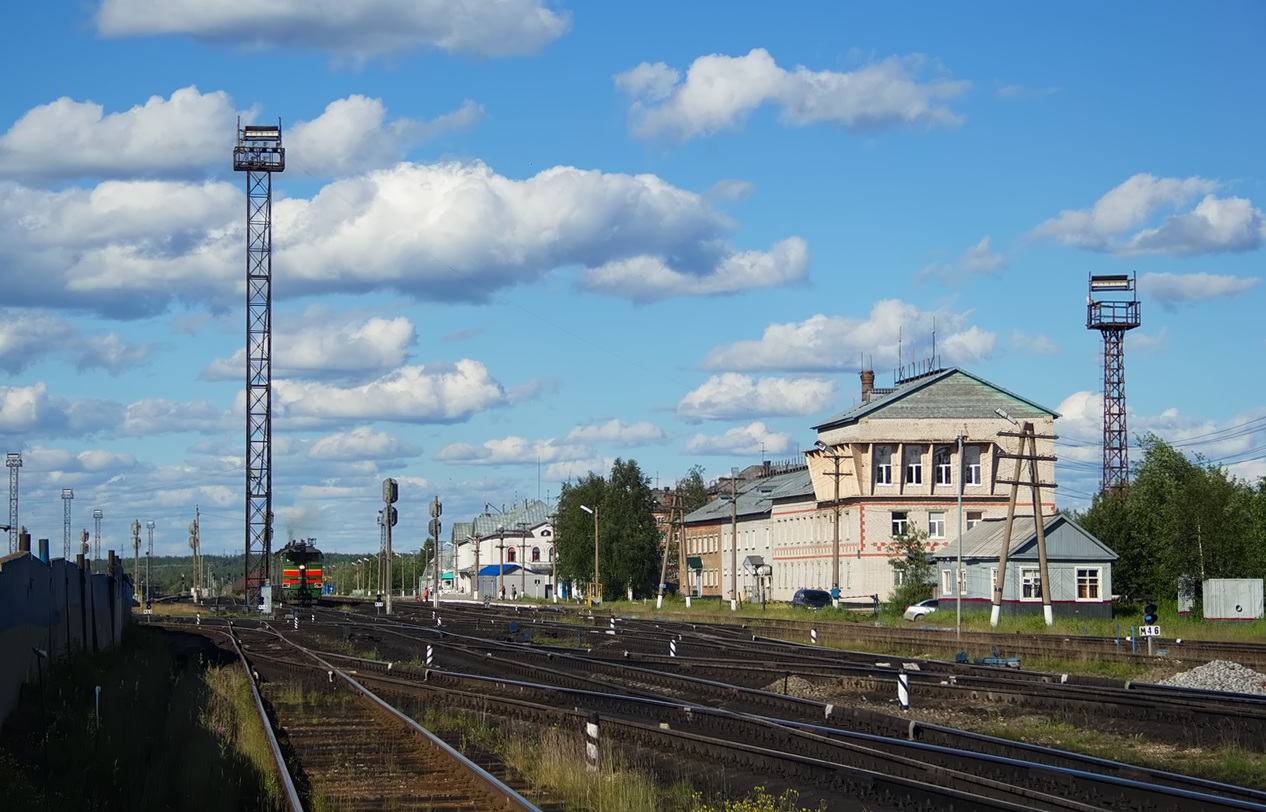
[
  {"x": 971, "y": 465},
  {"x": 1030, "y": 584},
  {"x": 510, "y": 555},
  {"x": 899, "y": 522},
  {"x": 883, "y": 465},
  {"x": 536, "y": 553},
  {"x": 941, "y": 465},
  {"x": 914, "y": 466},
  {"x": 947, "y": 582},
  {"x": 1088, "y": 585},
  {"x": 974, "y": 517},
  {"x": 898, "y": 577},
  {"x": 936, "y": 524}
]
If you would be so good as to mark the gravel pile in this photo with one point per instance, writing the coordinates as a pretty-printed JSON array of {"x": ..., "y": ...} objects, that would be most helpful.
[{"x": 1220, "y": 675}]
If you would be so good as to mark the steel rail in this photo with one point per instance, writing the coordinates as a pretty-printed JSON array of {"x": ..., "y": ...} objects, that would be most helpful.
[
  {"x": 512, "y": 799},
  {"x": 288, "y": 784}
]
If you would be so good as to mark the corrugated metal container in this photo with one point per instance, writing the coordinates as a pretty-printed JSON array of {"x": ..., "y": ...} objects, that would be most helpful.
[{"x": 1233, "y": 598}]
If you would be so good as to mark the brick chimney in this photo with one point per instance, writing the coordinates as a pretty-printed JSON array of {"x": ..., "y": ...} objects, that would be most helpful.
[{"x": 868, "y": 384}]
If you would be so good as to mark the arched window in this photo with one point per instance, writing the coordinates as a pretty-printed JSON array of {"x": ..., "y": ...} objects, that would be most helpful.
[
  {"x": 536, "y": 553},
  {"x": 510, "y": 554}
]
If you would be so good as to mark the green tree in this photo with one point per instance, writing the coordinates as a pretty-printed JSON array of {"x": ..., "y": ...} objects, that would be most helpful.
[
  {"x": 692, "y": 489},
  {"x": 628, "y": 538},
  {"x": 1181, "y": 522},
  {"x": 912, "y": 562}
]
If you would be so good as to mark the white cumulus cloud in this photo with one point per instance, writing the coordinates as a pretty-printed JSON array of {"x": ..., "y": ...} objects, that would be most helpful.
[
  {"x": 618, "y": 433},
  {"x": 754, "y": 438},
  {"x": 436, "y": 393},
  {"x": 1171, "y": 288},
  {"x": 66, "y": 138},
  {"x": 321, "y": 344},
  {"x": 832, "y": 343},
  {"x": 719, "y": 92},
  {"x": 732, "y": 395},
  {"x": 360, "y": 28},
  {"x": 1118, "y": 223},
  {"x": 353, "y": 135},
  {"x": 360, "y": 443}
]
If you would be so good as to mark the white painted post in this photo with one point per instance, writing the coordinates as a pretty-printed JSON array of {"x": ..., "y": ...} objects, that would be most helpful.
[
  {"x": 903, "y": 690},
  {"x": 430, "y": 656},
  {"x": 813, "y": 636},
  {"x": 672, "y": 648},
  {"x": 591, "y": 743}
]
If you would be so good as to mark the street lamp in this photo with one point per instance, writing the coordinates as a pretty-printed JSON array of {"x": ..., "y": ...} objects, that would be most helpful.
[
  {"x": 597, "y": 584},
  {"x": 958, "y": 576},
  {"x": 734, "y": 472}
]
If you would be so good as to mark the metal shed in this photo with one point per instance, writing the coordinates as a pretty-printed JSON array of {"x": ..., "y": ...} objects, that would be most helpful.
[{"x": 1233, "y": 599}]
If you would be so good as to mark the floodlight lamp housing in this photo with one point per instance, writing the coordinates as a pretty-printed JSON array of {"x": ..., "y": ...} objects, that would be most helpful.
[
  {"x": 586, "y": 509},
  {"x": 259, "y": 148},
  {"x": 819, "y": 445},
  {"x": 1003, "y": 414}
]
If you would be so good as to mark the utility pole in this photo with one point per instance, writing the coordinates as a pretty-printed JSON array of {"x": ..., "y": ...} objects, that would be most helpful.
[
  {"x": 673, "y": 498},
  {"x": 195, "y": 544},
  {"x": 835, "y": 457},
  {"x": 734, "y": 472},
  {"x": 1027, "y": 452},
  {"x": 474, "y": 590},
  {"x": 136, "y": 564}
]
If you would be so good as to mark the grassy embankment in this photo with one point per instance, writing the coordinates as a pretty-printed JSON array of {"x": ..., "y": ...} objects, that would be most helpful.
[{"x": 173, "y": 731}]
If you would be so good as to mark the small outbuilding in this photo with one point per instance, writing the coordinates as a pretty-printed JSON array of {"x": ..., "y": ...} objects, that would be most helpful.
[{"x": 1079, "y": 566}]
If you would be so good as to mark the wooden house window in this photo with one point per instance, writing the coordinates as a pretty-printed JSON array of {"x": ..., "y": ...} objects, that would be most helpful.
[
  {"x": 1088, "y": 585},
  {"x": 1030, "y": 584},
  {"x": 936, "y": 524},
  {"x": 900, "y": 521}
]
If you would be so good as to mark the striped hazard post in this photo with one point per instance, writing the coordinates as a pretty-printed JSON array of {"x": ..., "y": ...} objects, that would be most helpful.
[
  {"x": 903, "y": 690},
  {"x": 591, "y": 743},
  {"x": 672, "y": 648},
  {"x": 612, "y": 629},
  {"x": 813, "y": 636},
  {"x": 430, "y": 656}
]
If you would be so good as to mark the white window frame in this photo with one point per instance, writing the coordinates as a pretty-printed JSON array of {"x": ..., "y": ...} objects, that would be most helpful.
[
  {"x": 980, "y": 517},
  {"x": 936, "y": 526},
  {"x": 971, "y": 470},
  {"x": 883, "y": 465},
  {"x": 900, "y": 525},
  {"x": 1093, "y": 577},
  {"x": 947, "y": 582},
  {"x": 942, "y": 466},
  {"x": 1030, "y": 583},
  {"x": 913, "y": 465}
]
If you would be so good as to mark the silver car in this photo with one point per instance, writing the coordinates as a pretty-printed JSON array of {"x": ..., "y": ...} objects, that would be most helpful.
[{"x": 916, "y": 611}]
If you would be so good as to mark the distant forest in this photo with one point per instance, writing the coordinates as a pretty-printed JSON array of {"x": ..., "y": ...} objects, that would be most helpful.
[{"x": 173, "y": 575}]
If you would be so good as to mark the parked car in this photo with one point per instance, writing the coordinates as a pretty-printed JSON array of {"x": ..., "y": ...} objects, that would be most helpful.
[
  {"x": 916, "y": 611},
  {"x": 812, "y": 598}
]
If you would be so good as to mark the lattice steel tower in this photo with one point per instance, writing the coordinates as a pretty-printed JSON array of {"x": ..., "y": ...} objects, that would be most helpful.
[
  {"x": 1112, "y": 317},
  {"x": 13, "y": 461},
  {"x": 259, "y": 154}
]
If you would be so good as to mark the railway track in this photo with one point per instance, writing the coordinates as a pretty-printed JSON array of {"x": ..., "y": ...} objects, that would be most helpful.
[
  {"x": 547, "y": 682},
  {"x": 712, "y": 710},
  {"x": 346, "y": 748}
]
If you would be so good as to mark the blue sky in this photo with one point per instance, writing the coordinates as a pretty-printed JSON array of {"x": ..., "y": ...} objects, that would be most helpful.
[{"x": 516, "y": 239}]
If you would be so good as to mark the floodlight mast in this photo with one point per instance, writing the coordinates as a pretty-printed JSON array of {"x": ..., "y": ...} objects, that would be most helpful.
[
  {"x": 259, "y": 154},
  {"x": 1112, "y": 318}
]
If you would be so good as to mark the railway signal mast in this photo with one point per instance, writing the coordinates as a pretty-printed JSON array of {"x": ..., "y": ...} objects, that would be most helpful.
[
  {"x": 1112, "y": 318},
  {"x": 259, "y": 154}
]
